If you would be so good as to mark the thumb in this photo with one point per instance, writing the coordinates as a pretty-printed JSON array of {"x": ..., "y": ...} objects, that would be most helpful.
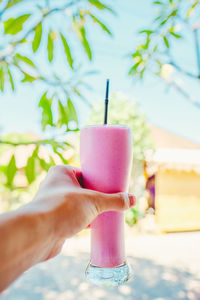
[{"x": 118, "y": 201}]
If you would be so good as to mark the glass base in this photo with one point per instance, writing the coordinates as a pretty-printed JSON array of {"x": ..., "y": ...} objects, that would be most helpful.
[{"x": 108, "y": 276}]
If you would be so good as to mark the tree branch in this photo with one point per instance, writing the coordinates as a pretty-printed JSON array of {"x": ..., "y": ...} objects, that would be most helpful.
[
  {"x": 53, "y": 10},
  {"x": 48, "y": 13},
  {"x": 184, "y": 71},
  {"x": 186, "y": 95},
  {"x": 195, "y": 31},
  {"x": 3, "y": 10},
  {"x": 183, "y": 92},
  {"x": 38, "y": 143},
  {"x": 53, "y": 82}
]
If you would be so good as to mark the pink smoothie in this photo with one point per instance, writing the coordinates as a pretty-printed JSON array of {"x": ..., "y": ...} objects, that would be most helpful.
[{"x": 106, "y": 158}]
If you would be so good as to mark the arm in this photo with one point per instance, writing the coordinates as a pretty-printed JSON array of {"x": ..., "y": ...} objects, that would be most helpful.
[
  {"x": 25, "y": 237},
  {"x": 37, "y": 231}
]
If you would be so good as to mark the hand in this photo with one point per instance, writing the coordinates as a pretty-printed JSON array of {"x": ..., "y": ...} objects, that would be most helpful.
[
  {"x": 70, "y": 206},
  {"x": 36, "y": 231}
]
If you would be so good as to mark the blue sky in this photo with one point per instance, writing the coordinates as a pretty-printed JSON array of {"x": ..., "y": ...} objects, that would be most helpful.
[{"x": 167, "y": 109}]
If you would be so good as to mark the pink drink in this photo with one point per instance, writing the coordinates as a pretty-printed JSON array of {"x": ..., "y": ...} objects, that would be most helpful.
[{"x": 106, "y": 157}]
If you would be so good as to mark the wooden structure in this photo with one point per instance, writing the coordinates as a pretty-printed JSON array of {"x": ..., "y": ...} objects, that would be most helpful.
[
  {"x": 176, "y": 165},
  {"x": 177, "y": 186}
]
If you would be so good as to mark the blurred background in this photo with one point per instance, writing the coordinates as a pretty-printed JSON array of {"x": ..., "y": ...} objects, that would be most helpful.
[{"x": 55, "y": 57}]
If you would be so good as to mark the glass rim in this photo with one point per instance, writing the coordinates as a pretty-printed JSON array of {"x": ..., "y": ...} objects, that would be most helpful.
[{"x": 121, "y": 126}]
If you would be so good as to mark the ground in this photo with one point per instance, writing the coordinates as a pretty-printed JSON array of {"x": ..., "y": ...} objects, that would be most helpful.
[{"x": 165, "y": 267}]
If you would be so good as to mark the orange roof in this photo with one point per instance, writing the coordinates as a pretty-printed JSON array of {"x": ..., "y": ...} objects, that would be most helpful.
[{"x": 166, "y": 139}]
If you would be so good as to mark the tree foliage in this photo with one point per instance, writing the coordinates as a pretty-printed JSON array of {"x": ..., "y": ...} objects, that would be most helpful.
[
  {"x": 174, "y": 21},
  {"x": 33, "y": 32}
]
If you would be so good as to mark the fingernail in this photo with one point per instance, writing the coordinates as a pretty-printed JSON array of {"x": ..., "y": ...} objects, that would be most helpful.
[{"x": 131, "y": 200}]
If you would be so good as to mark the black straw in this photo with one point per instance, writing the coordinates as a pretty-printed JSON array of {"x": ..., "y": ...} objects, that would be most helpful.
[{"x": 106, "y": 102}]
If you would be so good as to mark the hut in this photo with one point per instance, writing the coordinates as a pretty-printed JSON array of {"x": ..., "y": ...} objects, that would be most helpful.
[{"x": 176, "y": 168}]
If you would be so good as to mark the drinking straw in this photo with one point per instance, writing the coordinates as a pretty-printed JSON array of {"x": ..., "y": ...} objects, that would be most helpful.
[{"x": 106, "y": 103}]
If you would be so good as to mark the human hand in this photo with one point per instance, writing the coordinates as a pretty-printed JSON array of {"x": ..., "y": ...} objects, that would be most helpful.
[
  {"x": 71, "y": 207},
  {"x": 61, "y": 208}
]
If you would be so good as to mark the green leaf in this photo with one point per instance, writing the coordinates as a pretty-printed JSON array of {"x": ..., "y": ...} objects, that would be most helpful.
[
  {"x": 166, "y": 41},
  {"x": 160, "y": 17},
  {"x": 25, "y": 59},
  {"x": 191, "y": 9},
  {"x": 157, "y": 18},
  {"x": 133, "y": 69},
  {"x": 136, "y": 54},
  {"x": 47, "y": 116},
  {"x": 164, "y": 21},
  {"x": 63, "y": 114},
  {"x": 160, "y": 64},
  {"x": 52, "y": 162},
  {"x": 77, "y": 92},
  {"x": 55, "y": 144},
  {"x": 12, "y": 3},
  {"x": 103, "y": 26},
  {"x": 85, "y": 43},
  {"x": 65, "y": 161},
  {"x": 132, "y": 216},
  {"x": 13, "y": 26},
  {"x": 98, "y": 4},
  {"x": 72, "y": 111},
  {"x": 176, "y": 35},
  {"x": 2, "y": 79},
  {"x": 11, "y": 80},
  {"x": 173, "y": 14},
  {"x": 28, "y": 77},
  {"x": 155, "y": 48},
  {"x": 30, "y": 169},
  {"x": 142, "y": 73},
  {"x": 158, "y": 2},
  {"x": 50, "y": 46},
  {"x": 67, "y": 50},
  {"x": 147, "y": 31},
  {"x": 3, "y": 169},
  {"x": 11, "y": 170},
  {"x": 81, "y": 33},
  {"x": 37, "y": 37},
  {"x": 148, "y": 40},
  {"x": 66, "y": 113},
  {"x": 44, "y": 165}
]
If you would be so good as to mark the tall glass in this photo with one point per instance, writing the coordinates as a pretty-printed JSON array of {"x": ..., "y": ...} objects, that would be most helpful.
[{"x": 106, "y": 158}]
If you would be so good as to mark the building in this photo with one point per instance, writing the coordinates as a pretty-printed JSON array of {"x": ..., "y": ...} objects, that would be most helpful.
[{"x": 176, "y": 165}]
